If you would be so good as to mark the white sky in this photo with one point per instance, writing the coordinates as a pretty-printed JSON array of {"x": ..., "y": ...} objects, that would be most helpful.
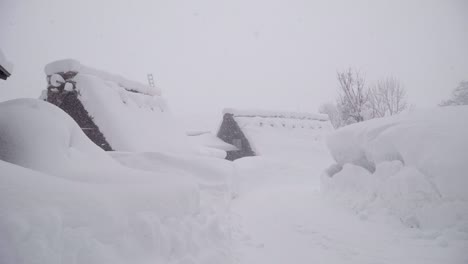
[{"x": 269, "y": 54}]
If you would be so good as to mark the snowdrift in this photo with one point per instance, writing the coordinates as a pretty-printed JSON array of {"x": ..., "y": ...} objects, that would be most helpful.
[
  {"x": 414, "y": 166},
  {"x": 64, "y": 200},
  {"x": 130, "y": 115},
  {"x": 209, "y": 144}
]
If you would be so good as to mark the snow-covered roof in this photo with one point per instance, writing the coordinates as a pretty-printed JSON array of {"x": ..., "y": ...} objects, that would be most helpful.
[
  {"x": 71, "y": 65},
  {"x": 273, "y": 133},
  {"x": 129, "y": 121},
  {"x": 274, "y": 114},
  {"x": 7, "y": 65}
]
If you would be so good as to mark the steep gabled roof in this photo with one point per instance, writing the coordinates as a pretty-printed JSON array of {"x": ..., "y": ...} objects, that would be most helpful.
[
  {"x": 131, "y": 116},
  {"x": 274, "y": 133},
  {"x": 71, "y": 65}
]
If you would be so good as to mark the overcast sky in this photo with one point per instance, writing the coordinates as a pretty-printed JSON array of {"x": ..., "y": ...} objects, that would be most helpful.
[{"x": 268, "y": 54}]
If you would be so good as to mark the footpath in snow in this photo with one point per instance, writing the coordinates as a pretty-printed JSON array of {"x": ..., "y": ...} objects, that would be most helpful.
[{"x": 282, "y": 217}]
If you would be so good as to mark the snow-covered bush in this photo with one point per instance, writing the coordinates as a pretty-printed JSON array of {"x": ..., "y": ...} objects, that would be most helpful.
[{"x": 413, "y": 166}]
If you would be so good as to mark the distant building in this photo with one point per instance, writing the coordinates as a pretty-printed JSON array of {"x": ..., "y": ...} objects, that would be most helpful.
[
  {"x": 268, "y": 133},
  {"x": 5, "y": 67},
  {"x": 4, "y": 74}
]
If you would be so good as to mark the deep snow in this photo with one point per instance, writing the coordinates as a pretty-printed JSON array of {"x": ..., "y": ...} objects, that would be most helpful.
[
  {"x": 412, "y": 166},
  {"x": 394, "y": 196},
  {"x": 282, "y": 216},
  {"x": 71, "y": 202},
  {"x": 386, "y": 200}
]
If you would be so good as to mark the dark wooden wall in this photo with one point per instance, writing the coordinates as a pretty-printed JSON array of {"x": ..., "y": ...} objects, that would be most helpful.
[
  {"x": 69, "y": 102},
  {"x": 229, "y": 132}
]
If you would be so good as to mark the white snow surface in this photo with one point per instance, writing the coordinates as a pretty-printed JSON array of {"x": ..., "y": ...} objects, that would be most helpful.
[
  {"x": 64, "y": 200},
  {"x": 282, "y": 137},
  {"x": 131, "y": 121},
  {"x": 282, "y": 216},
  {"x": 71, "y": 65},
  {"x": 412, "y": 166},
  {"x": 5, "y": 63},
  {"x": 210, "y": 145}
]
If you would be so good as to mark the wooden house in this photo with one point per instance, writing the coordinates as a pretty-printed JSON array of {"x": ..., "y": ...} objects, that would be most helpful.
[{"x": 269, "y": 133}]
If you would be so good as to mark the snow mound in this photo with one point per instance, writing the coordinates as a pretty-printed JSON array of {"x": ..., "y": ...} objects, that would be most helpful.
[
  {"x": 40, "y": 136},
  {"x": 131, "y": 116},
  {"x": 414, "y": 166},
  {"x": 73, "y": 203},
  {"x": 209, "y": 144}
]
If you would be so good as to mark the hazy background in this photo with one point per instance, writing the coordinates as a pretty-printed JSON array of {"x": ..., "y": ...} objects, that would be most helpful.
[{"x": 269, "y": 54}]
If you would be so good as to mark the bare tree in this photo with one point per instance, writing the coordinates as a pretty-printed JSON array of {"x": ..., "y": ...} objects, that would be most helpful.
[
  {"x": 387, "y": 97},
  {"x": 459, "y": 95},
  {"x": 352, "y": 96}
]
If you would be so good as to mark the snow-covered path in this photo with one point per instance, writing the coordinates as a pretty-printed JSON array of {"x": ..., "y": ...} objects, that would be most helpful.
[{"x": 281, "y": 217}]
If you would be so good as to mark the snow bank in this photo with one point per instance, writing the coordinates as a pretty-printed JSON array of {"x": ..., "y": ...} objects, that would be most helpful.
[
  {"x": 414, "y": 166},
  {"x": 132, "y": 117},
  {"x": 283, "y": 134},
  {"x": 7, "y": 65},
  {"x": 209, "y": 172},
  {"x": 71, "y": 202}
]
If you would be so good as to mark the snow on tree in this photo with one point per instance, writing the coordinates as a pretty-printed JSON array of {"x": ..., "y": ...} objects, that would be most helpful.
[
  {"x": 333, "y": 113},
  {"x": 386, "y": 98},
  {"x": 357, "y": 102},
  {"x": 352, "y": 96},
  {"x": 459, "y": 95}
]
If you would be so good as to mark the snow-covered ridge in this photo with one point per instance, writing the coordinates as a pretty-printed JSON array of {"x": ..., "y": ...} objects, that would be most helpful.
[
  {"x": 274, "y": 114},
  {"x": 71, "y": 65}
]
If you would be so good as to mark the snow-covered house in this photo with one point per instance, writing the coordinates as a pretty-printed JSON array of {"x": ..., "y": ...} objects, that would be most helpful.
[
  {"x": 115, "y": 113},
  {"x": 269, "y": 133},
  {"x": 5, "y": 67}
]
